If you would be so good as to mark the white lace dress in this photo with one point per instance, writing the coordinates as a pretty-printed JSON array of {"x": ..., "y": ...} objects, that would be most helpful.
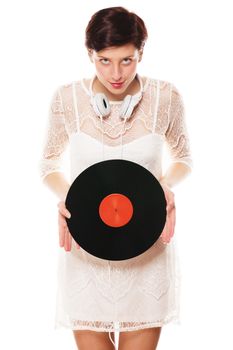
[{"x": 143, "y": 291}]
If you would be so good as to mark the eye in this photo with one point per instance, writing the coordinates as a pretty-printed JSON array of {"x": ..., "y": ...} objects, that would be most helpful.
[
  {"x": 127, "y": 61},
  {"x": 104, "y": 61}
]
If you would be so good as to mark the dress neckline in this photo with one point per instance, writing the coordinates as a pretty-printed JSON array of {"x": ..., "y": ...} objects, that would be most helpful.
[{"x": 152, "y": 135}]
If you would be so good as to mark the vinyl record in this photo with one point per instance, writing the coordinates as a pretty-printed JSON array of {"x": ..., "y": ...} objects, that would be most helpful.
[{"x": 118, "y": 209}]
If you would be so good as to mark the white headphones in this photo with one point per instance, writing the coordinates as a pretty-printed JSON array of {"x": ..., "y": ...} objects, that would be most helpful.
[{"x": 102, "y": 107}]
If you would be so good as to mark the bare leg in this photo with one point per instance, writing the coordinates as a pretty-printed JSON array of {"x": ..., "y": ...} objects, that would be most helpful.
[
  {"x": 86, "y": 340},
  {"x": 146, "y": 339}
]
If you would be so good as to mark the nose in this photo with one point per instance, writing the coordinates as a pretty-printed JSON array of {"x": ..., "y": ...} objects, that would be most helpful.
[{"x": 116, "y": 74}]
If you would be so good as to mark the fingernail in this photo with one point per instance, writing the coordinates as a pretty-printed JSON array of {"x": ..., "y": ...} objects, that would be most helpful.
[{"x": 69, "y": 215}]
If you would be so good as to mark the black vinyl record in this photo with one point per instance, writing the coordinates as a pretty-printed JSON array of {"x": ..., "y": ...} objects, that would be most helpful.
[{"x": 118, "y": 209}]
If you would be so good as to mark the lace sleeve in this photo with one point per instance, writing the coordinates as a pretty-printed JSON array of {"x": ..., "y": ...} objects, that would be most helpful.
[
  {"x": 177, "y": 137},
  {"x": 55, "y": 139}
]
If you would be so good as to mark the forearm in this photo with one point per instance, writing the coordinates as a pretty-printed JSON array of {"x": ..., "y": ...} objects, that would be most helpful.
[
  {"x": 175, "y": 174},
  {"x": 57, "y": 184}
]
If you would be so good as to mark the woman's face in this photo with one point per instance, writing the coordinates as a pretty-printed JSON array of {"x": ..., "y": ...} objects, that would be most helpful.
[{"x": 116, "y": 67}]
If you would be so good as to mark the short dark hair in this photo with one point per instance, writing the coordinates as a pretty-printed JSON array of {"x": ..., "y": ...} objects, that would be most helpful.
[{"x": 115, "y": 26}]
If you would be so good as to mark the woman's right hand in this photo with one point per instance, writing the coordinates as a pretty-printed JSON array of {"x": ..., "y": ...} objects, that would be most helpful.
[{"x": 65, "y": 238}]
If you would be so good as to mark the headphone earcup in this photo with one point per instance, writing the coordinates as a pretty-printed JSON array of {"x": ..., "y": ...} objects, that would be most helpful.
[
  {"x": 101, "y": 105},
  {"x": 128, "y": 105}
]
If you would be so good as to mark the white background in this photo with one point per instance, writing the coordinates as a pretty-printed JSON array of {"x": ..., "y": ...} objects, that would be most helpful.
[{"x": 42, "y": 46}]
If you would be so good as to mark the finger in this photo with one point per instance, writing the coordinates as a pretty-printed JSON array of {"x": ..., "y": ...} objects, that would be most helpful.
[
  {"x": 63, "y": 210},
  {"x": 168, "y": 193},
  {"x": 167, "y": 198},
  {"x": 70, "y": 240},
  {"x": 169, "y": 228},
  {"x": 164, "y": 233},
  {"x": 61, "y": 229},
  {"x": 172, "y": 214},
  {"x": 61, "y": 220},
  {"x": 67, "y": 240},
  {"x": 66, "y": 246},
  {"x": 170, "y": 205},
  {"x": 165, "y": 230},
  {"x": 173, "y": 221},
  {"x": 77, "y": 245}
]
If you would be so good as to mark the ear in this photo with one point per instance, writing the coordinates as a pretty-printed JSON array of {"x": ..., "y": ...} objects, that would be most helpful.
[
  {"x": 140, "y": 55},
  {"x": 90, "y": 53}
]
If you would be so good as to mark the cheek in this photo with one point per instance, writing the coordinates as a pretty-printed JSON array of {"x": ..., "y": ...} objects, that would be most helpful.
[
  {"x": 102, "y": 71},
  {"x": 132, "y": 68}
]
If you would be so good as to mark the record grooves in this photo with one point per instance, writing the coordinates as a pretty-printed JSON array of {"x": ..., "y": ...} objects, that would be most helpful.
[{"x": 118, "y": 209}]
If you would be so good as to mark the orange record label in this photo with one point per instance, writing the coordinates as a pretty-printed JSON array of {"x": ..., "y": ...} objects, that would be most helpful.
[{"x": 116, "y": 210}]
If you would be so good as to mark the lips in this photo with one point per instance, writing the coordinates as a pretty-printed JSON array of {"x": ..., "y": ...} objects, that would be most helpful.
[{"x": 117, "y": 85}]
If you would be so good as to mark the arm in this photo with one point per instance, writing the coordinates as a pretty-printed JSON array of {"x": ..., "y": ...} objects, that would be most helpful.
[
  {"x": 57, "y": 183},
  {"x": 177, "y": 140},
  {"x": 55, "y": 142},
  {"x": 175, "y": 174}
]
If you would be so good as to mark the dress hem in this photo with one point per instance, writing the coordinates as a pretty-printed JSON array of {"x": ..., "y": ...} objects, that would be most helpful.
[{"x": 172, "y": 319}]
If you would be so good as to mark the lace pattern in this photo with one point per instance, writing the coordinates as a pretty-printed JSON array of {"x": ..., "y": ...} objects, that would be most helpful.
[
  {"x": 55, "y": 139},
  {"x": 170, "y": 123},
  {"x": 152, "y": 278},
  {"x": 120, "y": 326},
  {"x": 177, "y": 134}
]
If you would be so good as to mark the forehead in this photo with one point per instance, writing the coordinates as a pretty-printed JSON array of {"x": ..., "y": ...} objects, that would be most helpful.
[{"x": 118, "y": 51}]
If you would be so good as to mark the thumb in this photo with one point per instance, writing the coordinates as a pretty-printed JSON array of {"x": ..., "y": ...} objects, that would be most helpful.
[{"x": 77, "y": 245}]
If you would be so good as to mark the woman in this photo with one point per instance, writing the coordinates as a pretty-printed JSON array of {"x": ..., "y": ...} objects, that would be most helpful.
[{"x": 136, "y": 296}]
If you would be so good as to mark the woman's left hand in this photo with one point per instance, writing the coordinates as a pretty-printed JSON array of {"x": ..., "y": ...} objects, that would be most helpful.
[{"x": 169, "y": 227}]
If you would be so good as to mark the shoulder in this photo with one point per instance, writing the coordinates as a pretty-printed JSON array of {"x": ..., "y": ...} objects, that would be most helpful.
[
  {"x": 66, "y": 89},
  {"x": 82, "y": 81},
  {"x": 155, "y": 81},
  {"x": 164, "y": 85}
]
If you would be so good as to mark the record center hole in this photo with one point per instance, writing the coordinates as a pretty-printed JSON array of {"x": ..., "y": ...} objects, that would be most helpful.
[{"x": 116, "y": 210}]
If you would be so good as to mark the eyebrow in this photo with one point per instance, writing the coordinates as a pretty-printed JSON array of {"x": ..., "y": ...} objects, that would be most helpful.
[{"x": 121, "y": 58}]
